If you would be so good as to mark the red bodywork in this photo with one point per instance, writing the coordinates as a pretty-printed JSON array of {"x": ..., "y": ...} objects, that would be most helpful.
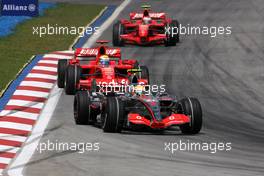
[
  {"x": 173, "y": 119},
  {"x": 153, "y": 122},
  {"x": 107, "y": 74},
  {"x": 136, "y": 32}
]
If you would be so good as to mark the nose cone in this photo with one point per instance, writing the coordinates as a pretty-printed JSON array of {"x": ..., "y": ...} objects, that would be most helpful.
[
  {"x": 154, "y": 105},
  {"x": 143, "y": 30}
]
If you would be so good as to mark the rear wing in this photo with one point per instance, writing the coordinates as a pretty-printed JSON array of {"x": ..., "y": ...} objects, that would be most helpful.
[
  {"x": 155, "y": 16},
  {"x": 93, "y": 52}
]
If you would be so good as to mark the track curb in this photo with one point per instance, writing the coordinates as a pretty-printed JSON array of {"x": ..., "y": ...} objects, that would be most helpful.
[{"x": 25, "y": 97}]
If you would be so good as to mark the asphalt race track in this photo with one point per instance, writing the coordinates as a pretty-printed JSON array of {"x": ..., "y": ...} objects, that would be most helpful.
[{"x": 226, "y": 74}]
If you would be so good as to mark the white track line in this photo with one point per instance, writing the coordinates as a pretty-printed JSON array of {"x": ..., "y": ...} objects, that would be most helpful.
[
  {"x": 37, "y": 84},
  {"x": 45, "y": 68},
  {"x": 5, "y": 160},
  {"x": 5, "y": 148},
  {"x": 16, "y": 126},
  {"x": 38, "y": 75},
  {"x": 48, "y": 62},
  {"x": 23, "y": 158},
  {"x": 31, "y": 93},
  {"x": 31, "y": 104},
  {"x": 19, "y": 114},
  {"x": 28, "y": 150},
  {"x": 107, "y": 23},
  {"x": 12, "y": 137}
]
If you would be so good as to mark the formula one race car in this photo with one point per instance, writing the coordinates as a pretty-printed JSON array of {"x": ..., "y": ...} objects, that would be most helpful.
[
  {"x": 146, "y": 28},
  {"x": 92, "y": 67},
  {"x": 138, "y": 110}
]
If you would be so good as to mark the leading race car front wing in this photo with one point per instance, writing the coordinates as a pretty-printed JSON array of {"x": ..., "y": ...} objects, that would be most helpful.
[{"x": 174, "y": 119}]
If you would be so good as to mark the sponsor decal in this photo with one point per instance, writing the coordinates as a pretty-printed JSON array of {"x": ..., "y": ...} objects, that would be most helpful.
[
  {"x": 19, "y": 8},
  {"x": 88, "y": 52},
  {"x": 152, "y": 15}
]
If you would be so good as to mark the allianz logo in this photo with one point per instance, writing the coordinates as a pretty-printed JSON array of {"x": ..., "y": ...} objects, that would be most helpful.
[{"x": 13, "y": 7}]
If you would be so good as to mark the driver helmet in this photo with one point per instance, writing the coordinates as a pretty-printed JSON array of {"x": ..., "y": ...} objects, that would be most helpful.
[
  {"x": 104, "y": 60},
  {"x": 146, "y": 20}
]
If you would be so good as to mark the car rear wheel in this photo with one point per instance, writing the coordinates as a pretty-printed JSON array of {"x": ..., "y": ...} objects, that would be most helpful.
[
  {"x": 62, "y": 65},
  {"x": 192, "y": 108},
  {"x": 83, "y": 114},
  {"x": 118, "y": 29},
  {"x": 81, "y": 108},
  {"x": 113, "y": 116},
  {"x": 72, "y": 78}
]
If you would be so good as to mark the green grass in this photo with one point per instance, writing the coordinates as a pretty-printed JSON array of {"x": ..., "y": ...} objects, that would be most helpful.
[{"x": 17, "y": 48}]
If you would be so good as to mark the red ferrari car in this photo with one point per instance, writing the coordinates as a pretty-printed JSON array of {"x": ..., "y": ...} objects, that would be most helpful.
[
  {"x": 100, "y": 66},
  {"x": 146, "y": 28}
]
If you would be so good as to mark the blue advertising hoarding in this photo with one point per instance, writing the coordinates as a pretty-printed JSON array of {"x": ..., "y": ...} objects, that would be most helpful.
[{"x": 19, "y": 8}]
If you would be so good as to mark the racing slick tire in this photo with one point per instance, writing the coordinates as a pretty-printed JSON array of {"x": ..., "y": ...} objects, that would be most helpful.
[
  {"x": 118, "y": 29},
  {"x": 62, "y": 66},
  {"x": 113, "y": 117},
  {"x": 172, "y": 38},
  {"x": 83, "y": 114},
  {"x": 72, "y": 78},
  {"x": 144, "y": 73},
  {"x": 192, "y": 108}
]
